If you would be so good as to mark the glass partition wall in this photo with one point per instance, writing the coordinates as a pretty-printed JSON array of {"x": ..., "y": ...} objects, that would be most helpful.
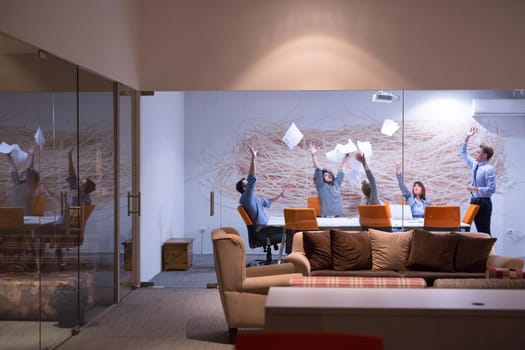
[
  {"x": 57, "y": 197},
  {"x": 420, "y": 130}
]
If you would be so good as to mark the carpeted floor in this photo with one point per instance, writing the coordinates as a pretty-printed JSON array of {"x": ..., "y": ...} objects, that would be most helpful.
[
  {"x": 178, "y": 312},
  {"x": 158, "y": 318},
  {"x": 200, "y": 274}
]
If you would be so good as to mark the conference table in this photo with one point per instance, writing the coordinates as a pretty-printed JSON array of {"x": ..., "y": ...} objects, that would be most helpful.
[
  {"x": 351, "y": 224},
  {"x": 29, "y": 232}
]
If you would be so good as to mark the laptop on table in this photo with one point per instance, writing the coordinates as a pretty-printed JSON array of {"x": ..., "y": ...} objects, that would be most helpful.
[{"x": 401, "y": 212}]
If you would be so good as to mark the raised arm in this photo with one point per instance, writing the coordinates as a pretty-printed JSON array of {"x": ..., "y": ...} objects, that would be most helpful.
[
  {"x": 14, "y": 170},
  {"x": 344, "y": 162},
  {"x": 404, "y": 189},
  {"x": 463, "y": 147},
  {"x": 313, "y": 150},
  {"x": 280, "y": 195},
  {"x": 361, "y": 158},
  {"x": 252, "y": 163},
  {"x": 31, "y": 157},
  {"x": 71, "y": 167},
  {"x": 470, "y": 133}
]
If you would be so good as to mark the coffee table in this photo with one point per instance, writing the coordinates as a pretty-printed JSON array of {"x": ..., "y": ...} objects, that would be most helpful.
[{"x": 405, "y": 318}]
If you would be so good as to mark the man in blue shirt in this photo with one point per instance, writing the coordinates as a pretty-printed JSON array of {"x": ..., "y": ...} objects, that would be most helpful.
[
  {"x": 255, "y": 206},
  {"x": 483, "y": 180},
  {"x": 328, "y": 187}
]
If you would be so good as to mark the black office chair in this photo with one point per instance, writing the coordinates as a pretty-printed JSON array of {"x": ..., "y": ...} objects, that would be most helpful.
[{"x": 266, "y": 238}]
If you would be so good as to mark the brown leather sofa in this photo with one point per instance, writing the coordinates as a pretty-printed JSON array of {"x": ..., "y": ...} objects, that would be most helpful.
[{"x": 414, "y": 253}]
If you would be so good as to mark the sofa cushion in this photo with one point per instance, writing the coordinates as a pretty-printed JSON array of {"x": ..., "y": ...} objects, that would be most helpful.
[
  {"x": 389, "y": 250},
  {"x": 432, "y": 252},
  {"x": 351, "y": 250},
  {"x": 356, "y": 282},
  {"x": 317, "y": 248},
  {"x": 472, "y": 253},
  {"x": 357, "y": 273}
]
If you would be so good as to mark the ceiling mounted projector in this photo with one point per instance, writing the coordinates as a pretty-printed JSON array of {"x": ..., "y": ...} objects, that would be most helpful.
[{"x": 382, "y": 96}]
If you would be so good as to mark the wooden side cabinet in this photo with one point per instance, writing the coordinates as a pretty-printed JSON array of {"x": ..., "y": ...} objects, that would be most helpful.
[{"x": 177, "y": 254}]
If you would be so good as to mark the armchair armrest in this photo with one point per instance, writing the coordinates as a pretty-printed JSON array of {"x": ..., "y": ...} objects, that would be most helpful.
[
  {"x": 267, "y": 270},
  {"x": 300, "y": 262},
  {"x": 261, "y": 285},
  {"x": 505, "y": 261}
]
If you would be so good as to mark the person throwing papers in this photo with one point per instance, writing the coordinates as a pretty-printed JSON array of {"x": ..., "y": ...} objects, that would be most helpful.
[{"x": 328, "y": 186}]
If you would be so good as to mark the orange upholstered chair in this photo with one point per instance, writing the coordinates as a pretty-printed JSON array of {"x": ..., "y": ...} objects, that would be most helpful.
[
  {"x": 314, "y": 202},
  {"x": 470, "y": 214},
  {"x": 38, "y": 205},
  {"x": 265, "y": 238},
  {"x": 442, "y": 218},
  {"x": 375, "y": 216},
  {"x": 297, "y": 219}
]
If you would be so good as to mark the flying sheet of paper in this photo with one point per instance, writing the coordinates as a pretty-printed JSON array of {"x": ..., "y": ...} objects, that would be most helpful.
[
  {"x": 349, "y": 147},
  {"x": 365, "y": 147},
  {"x": 39, "y": 138},
  {"x": 389, "y": 127},
  {"x": 16, "y": 153},
  {"x": 293, "y": 136},
  {"x": 333, "y": 156}
]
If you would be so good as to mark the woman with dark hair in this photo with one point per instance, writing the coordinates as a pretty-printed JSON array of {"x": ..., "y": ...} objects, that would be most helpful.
[{"x": 415, "y": 198}]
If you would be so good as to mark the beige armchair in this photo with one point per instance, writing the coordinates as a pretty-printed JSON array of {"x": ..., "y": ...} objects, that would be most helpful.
[{"x": 243, "y": 290}]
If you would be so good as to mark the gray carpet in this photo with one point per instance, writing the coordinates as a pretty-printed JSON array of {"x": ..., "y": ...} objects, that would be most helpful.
[
  {"x": 178, "y": 312},
  {"x": 199, "y": 275},
  {"x": 158, "y": 318}
]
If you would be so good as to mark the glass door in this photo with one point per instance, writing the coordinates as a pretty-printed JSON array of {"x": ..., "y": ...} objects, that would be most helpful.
[{"x": 128, "y": 193}]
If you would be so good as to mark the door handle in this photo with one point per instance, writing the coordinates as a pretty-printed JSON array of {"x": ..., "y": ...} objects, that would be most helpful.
[
  {"x": 212, "y": 203},
  {"x": 130, "y": 196}
]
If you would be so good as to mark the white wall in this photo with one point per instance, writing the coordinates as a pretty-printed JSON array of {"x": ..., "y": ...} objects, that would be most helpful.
[
  {"x": 101, "y": 35},
  {"x": 161, "y": 176}
]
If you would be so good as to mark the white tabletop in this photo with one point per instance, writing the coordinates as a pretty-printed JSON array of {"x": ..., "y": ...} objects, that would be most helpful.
[
  {"x": 351, "y": 222},
  {"x": 393, "y": 299},
  {"x": 41, "y": 220}
]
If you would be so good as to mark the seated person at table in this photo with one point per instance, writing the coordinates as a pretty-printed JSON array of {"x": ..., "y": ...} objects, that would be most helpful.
[
  {"x": 328, "y": 186},
  {"x": 416, "y": 199},
  {"x": 369, "y": 187},
  {"x": 255, "y": 207}
]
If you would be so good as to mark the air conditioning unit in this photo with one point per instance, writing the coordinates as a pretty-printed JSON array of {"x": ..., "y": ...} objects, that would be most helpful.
[{"x": 498, "y": 108}]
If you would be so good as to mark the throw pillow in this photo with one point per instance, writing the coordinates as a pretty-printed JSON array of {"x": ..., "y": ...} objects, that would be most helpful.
[
  {"x": 317, "y": 249},
  {"x": 472, "y": 253},
  {"x": 389, "y": 249},
  {"x": 432, "y": 252},
  {"x": 351, "y": 250}
]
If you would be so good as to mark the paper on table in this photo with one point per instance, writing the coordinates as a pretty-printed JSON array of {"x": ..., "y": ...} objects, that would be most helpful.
[
  {"x": 389, "y": 127},
  {"x": 365, "y": 147},
  {"x": 293, "y": 136},
  {"x": 16, "y": 153},
  {"x": 39, "y": 138}
]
